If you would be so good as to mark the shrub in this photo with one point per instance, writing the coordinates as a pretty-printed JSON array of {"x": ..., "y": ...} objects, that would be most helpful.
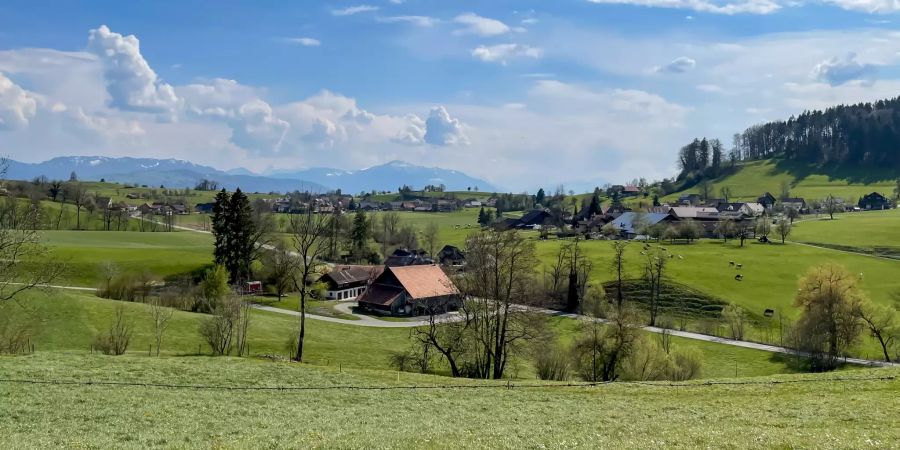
[
  {"x": 552, "y": 364},
  {"x": 684, "y": 364},
  {"x": 16, "y": 329},
  {"x": 117, "y": 337}
]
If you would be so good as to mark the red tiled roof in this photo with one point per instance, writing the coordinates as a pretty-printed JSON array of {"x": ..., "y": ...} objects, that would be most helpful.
[{"x": 424, "y": 281}]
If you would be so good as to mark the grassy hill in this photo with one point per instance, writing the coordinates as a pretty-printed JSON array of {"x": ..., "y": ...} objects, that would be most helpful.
[
  {"x": 320, "y": 409},
  {"x": 872, "y": 232},
  {"x": 753, "y": 178},
  {"x": 69, "y": 321}
]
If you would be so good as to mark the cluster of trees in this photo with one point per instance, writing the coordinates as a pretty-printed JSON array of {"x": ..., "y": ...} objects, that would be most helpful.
[
  {"x": 499, "y": 324},
  {"x": 240, "y": 233},
  {"x": 862, "y": 134},
  {"x": 703, "y": 158},
  {"x": 834, "y": 315}
]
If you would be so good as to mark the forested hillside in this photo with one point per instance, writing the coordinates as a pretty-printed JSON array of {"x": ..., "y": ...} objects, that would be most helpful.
[{"x": 865, "y": 134}]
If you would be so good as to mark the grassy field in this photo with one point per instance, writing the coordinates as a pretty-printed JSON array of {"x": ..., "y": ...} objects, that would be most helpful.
[
  {"x": 69, "y": 321},
  {"x": 771, "y": 271},
  {"x": 876, "y": 232},
  {"x": 844, "y": 410},
  {"x": 453, "y": 226},
  {"x": 160, "y": 254},
  {"x": 757, "y": 177}
]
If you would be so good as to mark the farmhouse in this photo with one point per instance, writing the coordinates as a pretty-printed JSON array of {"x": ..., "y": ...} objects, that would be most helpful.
[
  {"x": 797, "y": 204},
  {"x": 403, "y": 257},
  {"x": 767, "y": 200},
  {"x": 451, "y": 256},
  {"x": 409, "y": 290},
  {"x": 531, "y": 220},
  {"x": 874, "y": 201},
  {"x": 631, "y": 224},
  {"x": 348, "y": 282}
]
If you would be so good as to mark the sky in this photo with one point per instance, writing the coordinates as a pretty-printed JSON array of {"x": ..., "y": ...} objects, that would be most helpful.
[{"x": 521, "y": 93}]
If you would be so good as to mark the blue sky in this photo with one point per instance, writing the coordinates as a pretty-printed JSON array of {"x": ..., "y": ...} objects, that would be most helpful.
[{"x": 522, "y": 93}]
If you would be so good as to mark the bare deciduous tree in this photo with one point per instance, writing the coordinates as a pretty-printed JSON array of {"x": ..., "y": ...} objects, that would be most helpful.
[
  {"x": 281, "y": 266},
  {"x": 498, "y": 280},
  {"x": 160, "y": 315},
  {"x": 117, "y": 337},
  {"x": 310, "y": 232},
  {"x": 618, "y": 268},
  {"x": 430, "y": 237},
  {"x": 25, "y": 263},
  {"x": 881, "y": 322}
]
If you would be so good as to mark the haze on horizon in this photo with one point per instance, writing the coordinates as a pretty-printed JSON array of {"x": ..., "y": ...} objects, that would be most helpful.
[{"x": 519, "y": 93}]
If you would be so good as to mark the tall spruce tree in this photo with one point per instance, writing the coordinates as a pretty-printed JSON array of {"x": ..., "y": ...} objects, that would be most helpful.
[
  {"x": 240, "y": 226},
  {"x": 220, "y": 228}
]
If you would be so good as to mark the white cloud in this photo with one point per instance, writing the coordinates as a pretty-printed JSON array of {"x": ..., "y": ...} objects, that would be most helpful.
[
  {"x": 503, "y": 52},
  {"x": 419, "y": 21},
  {"x": 480, "y": 26},
  {"x": 710, "y": 88},
  {"x": 304, "y": 41},
  {"x": 351, "y": 10},
  {"x": 836, "y": 71},
  {"x": 681, "y": 64},
  {"x": 17, "y": 106},
  {"x": 869, "y": 6},
  {"x": 441, "y": 129},
  {"x": 708, "y": 6},
  {"x": 131, "y": 83}
]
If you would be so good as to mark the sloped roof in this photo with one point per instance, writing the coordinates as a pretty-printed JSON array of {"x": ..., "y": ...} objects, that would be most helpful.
[
  {"x": 352, "y": 274},
  {"x": 693, "y": 212},
  {"x": 626, "y": 222},
  {"x": 424, "y": 281},
  {"x": 380, "y": 295}
]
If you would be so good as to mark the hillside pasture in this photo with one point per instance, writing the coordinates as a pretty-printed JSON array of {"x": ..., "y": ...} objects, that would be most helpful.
[
  {"x": 873, "y": 232},
  {"x": 754, "y": 178},
  {"x": 160, "y": 254}
]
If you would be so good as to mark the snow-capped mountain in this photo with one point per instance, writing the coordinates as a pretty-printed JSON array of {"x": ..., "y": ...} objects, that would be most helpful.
[{"x": 178, "y": 173}]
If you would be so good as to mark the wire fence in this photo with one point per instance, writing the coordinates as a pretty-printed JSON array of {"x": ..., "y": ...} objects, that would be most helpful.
[{"x": 508, "y": 386}]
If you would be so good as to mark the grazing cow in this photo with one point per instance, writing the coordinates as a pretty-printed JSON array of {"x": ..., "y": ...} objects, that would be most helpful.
[
  {"x": 680, "y": 257},
  {"x": 739, "y": 277},
  {"x": 739, "y": 266},
  {"x": 730, "y": 263}
]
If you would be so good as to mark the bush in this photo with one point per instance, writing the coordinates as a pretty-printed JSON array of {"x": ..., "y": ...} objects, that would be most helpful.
[
  {"x": 684, "y": 364},
  {"x": 218, "y": 329},
  {"x": 16, "y": 329},
  {"x": 552, "y": 364},
  {"x": 117, "y": 337}
]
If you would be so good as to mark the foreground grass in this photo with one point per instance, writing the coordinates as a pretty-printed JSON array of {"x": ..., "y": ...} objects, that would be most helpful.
[
  {"x": 70, "y": 322},
  {"x": 858, "y": 412}
]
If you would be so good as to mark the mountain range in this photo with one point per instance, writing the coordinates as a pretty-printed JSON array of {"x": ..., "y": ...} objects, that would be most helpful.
[{"x": 178, "y": 173}]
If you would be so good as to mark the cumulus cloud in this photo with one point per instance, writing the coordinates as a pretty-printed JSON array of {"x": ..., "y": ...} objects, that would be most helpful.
[
  {"x": 503, "y": 52},
  {"x": 304, "y": 41},
  {"x": 351, "y": 10},
  {"x": 17, "y": 106},
  {"x": 419, "y": 21},
  {"x": 131, "y": 83},
  {"x": 708, "y": 6},
  {"x": 441, "y": 129},
  {"x": 480, "y": 26},
  {"x": 837, "y": 71},
  {"x": 681, "y": 64}
]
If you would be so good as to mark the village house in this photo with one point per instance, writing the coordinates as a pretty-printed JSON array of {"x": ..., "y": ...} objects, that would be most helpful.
[
  {"x": 797, "y": 204},
  {"x": 451, "y": 256},
  {"x": 874, "y": 201},
  {"x": 689, "y": 199},
  {"x": 632, "y": 224},
  {"x": 403, "y": 257},
  {"x": 767, "y": 200},
  {"x": 410, "y": 290},
  {"x": 348, "y": 282}
]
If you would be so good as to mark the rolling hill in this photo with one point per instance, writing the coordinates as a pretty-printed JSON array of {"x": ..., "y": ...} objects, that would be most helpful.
[{"x": 753, "y": 178}]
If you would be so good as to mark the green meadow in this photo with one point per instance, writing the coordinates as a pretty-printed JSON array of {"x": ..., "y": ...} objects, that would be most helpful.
[
  {"x": 757, "y": 177},
  {"x": 875, "y": 232},
  {"x": 160, "y": 254},
  {"x": 69, "y": 321},
  {"x": 321, "y": 409}
]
